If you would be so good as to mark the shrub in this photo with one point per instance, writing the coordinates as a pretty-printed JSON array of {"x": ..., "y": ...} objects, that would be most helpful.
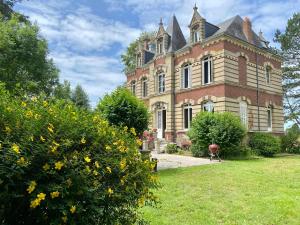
[
  {"x": 60, "y": 164},
  {"x": 291, "y": 141},
  {"x": 171, "y": 148},
  {"x": 264, "y": 144},
  {"x": 224, "y": 129},
  {"x": 124, "y": 109}
]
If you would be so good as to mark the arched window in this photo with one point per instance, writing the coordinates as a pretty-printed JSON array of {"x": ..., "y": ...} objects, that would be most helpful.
[
  {"x": 268, "y": 74},
  {"x": 196, "y": 34},
  {"x": 207, "y": 70},
  {"x": 133, "y": 87},
  {"x": 144, "y": 87},
  {"x": 161, "y": 83},
  {"x": 187, "y": 116},
  {"x": 244, "y": 113},
  {"x": 269, "y": 118},
  {"x": 208, "y": 106},
  {"x": 186, "y": 81}
]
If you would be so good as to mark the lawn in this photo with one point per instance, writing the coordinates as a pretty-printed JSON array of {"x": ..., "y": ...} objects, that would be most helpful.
[{"x": 260, "y": 191}]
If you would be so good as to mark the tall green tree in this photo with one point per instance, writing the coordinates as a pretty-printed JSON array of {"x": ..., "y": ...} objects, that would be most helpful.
[
  {"x": 6, "y": 9},
  {"x": 80, "y": 97},
  {"x": 63, "y": 91},
  {"x": 290, "y": 51},
  {"x": 24, "y": 58}
]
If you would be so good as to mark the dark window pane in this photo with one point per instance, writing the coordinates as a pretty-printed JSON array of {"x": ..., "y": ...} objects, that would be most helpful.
[
  {"x": 205, "y": 72},
  {"x": 191, "y": 116},
  {"x": 186, "y": 121}
]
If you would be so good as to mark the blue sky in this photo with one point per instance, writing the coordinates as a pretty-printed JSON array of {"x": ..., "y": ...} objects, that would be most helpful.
[{"x": 87, "y": 37}]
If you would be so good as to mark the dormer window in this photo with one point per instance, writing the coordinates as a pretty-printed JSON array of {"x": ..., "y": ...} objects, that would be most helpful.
[
  {"x": 139, "y": 60},
  {"x": 195, "y": 33},
  {"x": 160, "y": 46}
]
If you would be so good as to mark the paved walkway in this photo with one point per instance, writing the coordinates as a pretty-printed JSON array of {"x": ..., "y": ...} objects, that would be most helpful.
[{"x": 166, "y": 161}]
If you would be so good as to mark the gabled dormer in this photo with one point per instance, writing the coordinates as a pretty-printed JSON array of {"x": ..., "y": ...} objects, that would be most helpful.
[
  {"x": 162, "y": 39},
  {"x": 197, "y": 27}
]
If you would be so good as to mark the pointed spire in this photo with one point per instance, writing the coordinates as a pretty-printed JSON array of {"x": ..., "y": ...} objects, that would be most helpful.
[
  {"x": 160, "y": 22},
  {"x": 195, "y": 7},
  {"x": 174, "y": 31}
]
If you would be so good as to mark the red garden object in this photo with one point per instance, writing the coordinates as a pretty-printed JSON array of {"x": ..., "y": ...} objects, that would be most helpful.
[{"x": 214, "y": 151}]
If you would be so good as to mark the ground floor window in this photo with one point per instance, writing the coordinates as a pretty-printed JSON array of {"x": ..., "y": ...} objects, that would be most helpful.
[
  {"x": 244, "y": 113},
  {"x": 208, "y": 106},
  {"x": 187, "y": 116},
  {"x": 269, "y": 118}
]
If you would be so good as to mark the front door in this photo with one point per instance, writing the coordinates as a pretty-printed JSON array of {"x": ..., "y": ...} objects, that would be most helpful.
[{"x": 161, "y": 123}]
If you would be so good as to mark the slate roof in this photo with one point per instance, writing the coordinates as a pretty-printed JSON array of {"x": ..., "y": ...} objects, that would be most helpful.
[{"x": 177, "y": 40}]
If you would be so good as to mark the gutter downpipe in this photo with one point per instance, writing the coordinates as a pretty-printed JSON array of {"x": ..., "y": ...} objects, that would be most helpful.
[{"x": 257, "y": 92}]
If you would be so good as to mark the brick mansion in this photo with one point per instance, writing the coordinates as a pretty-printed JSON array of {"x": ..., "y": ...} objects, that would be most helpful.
[{"x": 218, "y": 68}]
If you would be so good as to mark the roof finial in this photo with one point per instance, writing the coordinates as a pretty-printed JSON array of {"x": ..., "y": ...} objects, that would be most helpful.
[
  {"x": 160, "y": 22},
  {"x": 195, "y": 7}
]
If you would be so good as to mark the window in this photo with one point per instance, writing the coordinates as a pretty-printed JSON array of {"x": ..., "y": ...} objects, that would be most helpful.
[
  {"x": 269, "y": 118},
  {"x": 196, "y": 34},
  {"x": 207, "y": 70},
  {"x": 186, "y": 77},
  {"x": 161, "y": 83},
  {"x": 160, "y": 46},
  {"x": 144, "y": 87},
  {"x": 268, "y": 74},
  {"x": 208, "y": 106},
  {"x": 187, "y": 116},
  {"x": 196, "y": 37},
  {"x": 133, "y": 87},
  {"x": 244, "y": 113}
]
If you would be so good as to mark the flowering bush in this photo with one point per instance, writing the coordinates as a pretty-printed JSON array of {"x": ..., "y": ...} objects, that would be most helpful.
[{"x": 63, "y": 165}]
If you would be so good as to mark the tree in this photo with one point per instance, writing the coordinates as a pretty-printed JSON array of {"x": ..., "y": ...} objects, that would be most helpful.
[
  {"x": 24, "y": 58},
  {"x": 121, "y": 108},
  {"x": 63, "y": 91},
  {"x": 80, "y": 97},
  {"x": 6, "y": 9},
  {"x": 290, "y": 51},
  {"x": 129, "y": 57}
]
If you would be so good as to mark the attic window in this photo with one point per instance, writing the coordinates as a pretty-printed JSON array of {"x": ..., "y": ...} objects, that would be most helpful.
[
  {"x": 160, "y": 46},
  {"x": 196, "y": 34}
]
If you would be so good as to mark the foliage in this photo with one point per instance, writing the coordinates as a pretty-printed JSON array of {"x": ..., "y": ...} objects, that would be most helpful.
[
  {"x": 290, "y": 51},
  {"x": 291, "y": 141},
  {"x": 129, "y": 57},
  {"x": 171, "y": 148},
  {"x": 24, "y": 58},
  {"x": 6, "y": 9},
  {"x": 80, "y": 98},
  {"x": 64, "y": 165},
  {"x": 63, "y": 91},
  {"x": 224, "y": 129},
  {"x": 264, "y": 144},
  {"x": 124, "y": 109}
]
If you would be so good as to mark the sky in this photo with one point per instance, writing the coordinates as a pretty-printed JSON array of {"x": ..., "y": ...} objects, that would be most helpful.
[{"x": 87, "y": 37}]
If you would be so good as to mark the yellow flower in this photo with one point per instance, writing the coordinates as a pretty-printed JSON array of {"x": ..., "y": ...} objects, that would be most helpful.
[
  {"x": 95, "y": 172},
  {"x": 73, "y": 209},
  {"x": 34, "y": 99},
  {"x": 132, "y": 130},
  {"x": 42, "y": 139},
  {"x": 122, "y": 181},
  {"x": 21, "y": 161},
  {"x": 87, "y": 169},
  {"x": 58, "y": 165},
  {"x": 29, "y": 114},
  {"x": 113, "y": 133},
  {"x": 31, "y": 138},
  {"x": 46, "y": 167},
  {"x": 23, "y": 104},
  {"x": 110, "y": 191},
  {"x": 45, "y": 104},
  {"x": 82, "y": 141},
  {"x": 125, "y": 128},
  {"x": 107, "y": 147},
  {"x": 108, "y": 169},
  {"x": 97, "y": 164},
  {"x": 15, "y": 148},
  {"x": 50, "y": 129},
  {"x": 37, "y": 116},
  {"x": 41, "y": 196},
  {"x": 87, "y": 159},
  {"x": 31, "y": 187},
  {"x": 64, "y": 219},
  {"x": 54, "y": 194},
  {"x": 36, "y": 202},
  {"x": 139, "y": 142},
  {"x": 123, "y": 164},
  {"x": 7, "y": 129}
]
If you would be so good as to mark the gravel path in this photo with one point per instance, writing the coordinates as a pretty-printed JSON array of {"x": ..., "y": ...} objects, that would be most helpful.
[{"x": 166, "y": 161}]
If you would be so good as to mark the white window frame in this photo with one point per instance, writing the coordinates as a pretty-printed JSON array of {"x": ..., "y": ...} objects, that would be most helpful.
[
  {"x": 144, "y": 87},
  {"x": 133, "y": 87},
  {"x": 161, "y": 83},
  {"x": 196, "y": 36},
  {"x": 269, "y": 118},
  {"x": 189, "y": 77},
  {"x": 209, "y": 105},
  {"x": 244, "y": 113},
  {"x": 268, "y": 74},
  {"x": 160, "y": 46},
  {"x": 207, "y": 60},
  {"x": 189, "y": 109}
]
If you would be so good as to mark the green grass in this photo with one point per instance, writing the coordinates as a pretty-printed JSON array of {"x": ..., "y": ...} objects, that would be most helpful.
[{"x": 260, "y": 191}]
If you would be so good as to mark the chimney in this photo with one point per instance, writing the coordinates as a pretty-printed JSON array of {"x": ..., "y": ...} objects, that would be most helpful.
[{"x": 247, "y": 29}]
